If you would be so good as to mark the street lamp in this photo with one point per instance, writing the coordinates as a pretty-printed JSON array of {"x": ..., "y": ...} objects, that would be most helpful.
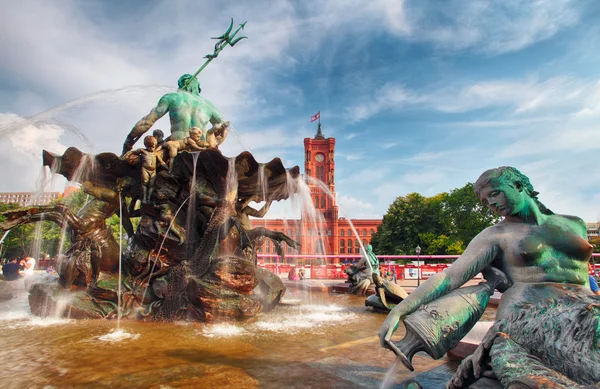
[{"x": 418, "y": 251}]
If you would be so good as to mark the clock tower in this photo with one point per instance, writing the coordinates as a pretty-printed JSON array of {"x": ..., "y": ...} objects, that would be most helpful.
[{"x": 319, "y": 163}]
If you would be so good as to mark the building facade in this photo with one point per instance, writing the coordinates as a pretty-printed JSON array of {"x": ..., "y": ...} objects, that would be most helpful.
[
  {"x": 29, "y": 198},
  {"x": 331, "y": 235}
]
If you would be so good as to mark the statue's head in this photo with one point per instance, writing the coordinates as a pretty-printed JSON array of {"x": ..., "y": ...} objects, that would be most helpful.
[
  {"x": 159, "y": 135},
  {"x": 369, "y": 248},
  {"x": 196, "y": 134},
  {"x": 505, "y": 191},
  {"x": 192, "y": 87},
  {"x": 150, "y": 142}
]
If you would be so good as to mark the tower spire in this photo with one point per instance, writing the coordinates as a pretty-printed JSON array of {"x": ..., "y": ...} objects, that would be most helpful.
[{"x": 319, "y": 131}]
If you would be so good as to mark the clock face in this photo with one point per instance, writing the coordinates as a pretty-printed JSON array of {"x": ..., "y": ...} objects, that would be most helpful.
[{"x": 319, "y": 157}]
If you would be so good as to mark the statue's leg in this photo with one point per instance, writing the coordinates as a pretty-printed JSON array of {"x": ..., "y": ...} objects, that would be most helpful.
[{"x": 96, "y": 261}]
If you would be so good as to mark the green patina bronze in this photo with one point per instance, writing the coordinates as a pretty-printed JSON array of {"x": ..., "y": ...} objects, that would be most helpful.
[
  {"x": 186, "y": 108},
  {"x": 544, "y": 257}
]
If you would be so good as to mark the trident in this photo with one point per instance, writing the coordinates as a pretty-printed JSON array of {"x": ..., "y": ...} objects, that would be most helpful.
[{"x": 223, "y": 41}]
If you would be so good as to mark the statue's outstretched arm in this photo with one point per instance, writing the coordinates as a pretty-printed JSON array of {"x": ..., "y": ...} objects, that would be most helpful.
[
  {"x": 101, "y": 193},
  {"x": 479, "y": 254},
  {"x": 58, "y": 214},
  {"x": 144, "y": 124}
]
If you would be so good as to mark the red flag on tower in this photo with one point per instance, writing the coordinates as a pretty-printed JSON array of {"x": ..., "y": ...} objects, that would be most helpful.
[{"x": 315, "y": 117}]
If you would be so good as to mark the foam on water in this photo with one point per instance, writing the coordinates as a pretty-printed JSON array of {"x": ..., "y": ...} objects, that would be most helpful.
[
  {"x": 15, "y": 313},
  {"x": 222, "y": 330},
  {"x": 117, "y": 336},
  {"x": 301, "y": 317}
]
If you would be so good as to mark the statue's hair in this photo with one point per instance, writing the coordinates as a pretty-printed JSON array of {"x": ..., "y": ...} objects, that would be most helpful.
[
  {"x": 511, "y": 175},
  {"x": 150, "y": 140},
  {"x": 192, "y": 87},
  {"x": 194, "y": 130}
]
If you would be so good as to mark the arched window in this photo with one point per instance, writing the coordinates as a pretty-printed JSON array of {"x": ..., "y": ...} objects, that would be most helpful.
[
  {"x": 371, "y": 232},
  {"x": 342, "y": 232},
  {"x": 364, "y": 232},
  {"x": 349, "y": 246},
  {"x": 349, "y": 232},
  {"x": 316, "y": 201},
  {"x": 364, "y": 242},
  {"x": 322, "y": 201},
  {"x": 356, "y": 247},
  {"x": 268, "y": 246},
  {"x": 329, "y": 232}
]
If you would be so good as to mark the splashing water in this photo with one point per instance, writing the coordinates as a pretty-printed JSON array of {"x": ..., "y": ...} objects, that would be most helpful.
[
  {"x": 325, "y": 189},
  {"x": 162, "y": 244},
  {"x": 389, "y": 376},
  {"x": 191, "y": 209},
  {"x": 48, "y": 117},
  {"x": 117, "y": 336},
  {"x": 222, "y": 330},
  {"x": 120, "y": 261}
]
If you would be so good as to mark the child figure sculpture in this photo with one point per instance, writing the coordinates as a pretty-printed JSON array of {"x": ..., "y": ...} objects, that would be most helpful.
[
  {"x": 149, "y": 158},
  {"x": 192, "y": 143}
]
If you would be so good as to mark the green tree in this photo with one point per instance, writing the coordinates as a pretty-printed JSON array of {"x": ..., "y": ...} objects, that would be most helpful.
[
  {"x": 441, "y": 224},
  {"x": 465, "y": 215},
  {"x": 406, "y": 219}
]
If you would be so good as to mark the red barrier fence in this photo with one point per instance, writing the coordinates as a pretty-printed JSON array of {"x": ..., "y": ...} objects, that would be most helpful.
[{"x": 315, "y": 270}]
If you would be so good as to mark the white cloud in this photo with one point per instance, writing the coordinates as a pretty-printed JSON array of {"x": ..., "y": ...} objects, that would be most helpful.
[
  {"x": 492, "y": 27},
  {"x": 22, "y": 154},
  {"x": 519, "y": 96}
]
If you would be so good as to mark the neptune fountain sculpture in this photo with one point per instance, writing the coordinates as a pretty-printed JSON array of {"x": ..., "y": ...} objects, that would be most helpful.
[{"x": 189, "y": 257}]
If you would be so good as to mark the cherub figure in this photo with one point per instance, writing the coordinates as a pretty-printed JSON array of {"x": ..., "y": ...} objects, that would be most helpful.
[
  {"x": 149, "y": 158},
  {"x": 217, "y": 134},
  {"x": 192, "y": 143}
]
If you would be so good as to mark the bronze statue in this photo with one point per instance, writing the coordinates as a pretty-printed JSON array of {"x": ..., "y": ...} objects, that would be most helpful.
[
  {"x": 194, "y": 142},
  {"x": 544, "y": 256},
  {"x": 186, "y": 108},
  {"x": 93, "y": 248},
  {"x": 149, "y": 159},
  {"x": 361, "y": 275}
]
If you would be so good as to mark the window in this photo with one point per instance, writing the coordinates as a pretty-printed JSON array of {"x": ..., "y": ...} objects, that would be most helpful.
[
  {"x": 268, "y": 246},
  {"x": 349, "y": 232},
  {"x": 316, "y": 201},
  {"x": 323, "y": 202},
  {"x": 371, "y": 232},
  {"x": 329, "y": 232},
  {"x": 341, "y": 232},
  {"x": 356, "y": 247},
  {"x": 364, "y": 232},
  {"x": 349, "y": 246}
]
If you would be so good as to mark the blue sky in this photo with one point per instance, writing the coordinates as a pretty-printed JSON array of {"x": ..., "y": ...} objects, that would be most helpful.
[{"x": 421, "y": 95}]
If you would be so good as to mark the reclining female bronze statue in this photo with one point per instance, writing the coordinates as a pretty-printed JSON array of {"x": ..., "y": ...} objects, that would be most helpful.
[{"x": 547, "y": 328}]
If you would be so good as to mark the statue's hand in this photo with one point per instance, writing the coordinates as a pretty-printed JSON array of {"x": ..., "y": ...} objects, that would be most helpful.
[
  {"x": 475, "y": 365},
  {"x": 389, "y": 326}
]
